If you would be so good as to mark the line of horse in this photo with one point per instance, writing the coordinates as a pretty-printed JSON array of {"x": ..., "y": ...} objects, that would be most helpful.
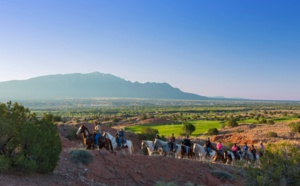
[
  {"x": 162, "y": 148},
  {"x": 197, "y": 152}
]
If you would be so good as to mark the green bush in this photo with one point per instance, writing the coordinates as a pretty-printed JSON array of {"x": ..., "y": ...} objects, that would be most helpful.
[
  {"x": 188, "y": 128},
  {"x": 81, "y": 156},
  {"x": 148, "y": 133},
  {"x": 222, "y": 175},
  {"x": 232, "y": 122},
  {"x": 272, "y": 134},
  {"x": 213, "y": 131},
  {"x": 30, "y": 145},
  {"x": 295, "y": 127},
  {"x": 5, "y": 164},
  {"x": 25, "y": 165},
  {"x": 270, "y": 122},
  {"x": 280, "y": 165}
]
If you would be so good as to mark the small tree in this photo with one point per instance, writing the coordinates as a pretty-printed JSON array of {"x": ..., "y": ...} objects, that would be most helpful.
[
  {"x": 232, "y": 122},
  {"x": 148, "y": 133},
  {"x": 27, "y": 144},
  {"x": 213, "y": 131},
  {"x": 188, "y": 128}
]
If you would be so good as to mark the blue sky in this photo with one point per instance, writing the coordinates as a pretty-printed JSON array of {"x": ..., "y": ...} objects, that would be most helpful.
[{"x": 235, "y": 48}]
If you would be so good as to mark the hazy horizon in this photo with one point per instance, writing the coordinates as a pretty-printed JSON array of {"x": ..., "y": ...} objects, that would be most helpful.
[{"x": 223, "y": 48}]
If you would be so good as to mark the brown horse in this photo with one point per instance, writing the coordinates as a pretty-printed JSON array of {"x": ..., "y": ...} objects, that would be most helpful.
[
  {"x": 190, "y": 153},
  {"x": 88, "y": 139}
]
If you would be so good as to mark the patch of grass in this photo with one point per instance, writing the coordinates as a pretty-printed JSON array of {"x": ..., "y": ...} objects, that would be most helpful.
[
  {"x": 222, "y": 175},
  {"x": 167, "y": 129},
  {"x": 81, "y": 156}
]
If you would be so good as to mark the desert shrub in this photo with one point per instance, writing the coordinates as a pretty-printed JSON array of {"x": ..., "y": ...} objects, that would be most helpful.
[
  {"x": 188, "y": 128},
  {"x": 270, "y": 122},
  {"x": 81, "y": 156},
  {"x": 239, "y": 131},
  {"x": 5, "y": 164},
  {"x": 295, "y": 127},
  {"x": 280, "y": 165},
  {"x": 222, "y": 175},
  {"x": 213, "y": 131},
  {"x": 161, "y": 183},
  {"x": 148, "y": 133},
  {"x": 271, "y": 134},
  {"x": 263, "y": 120},
  {"x": 116, "y": 120},
  {"x": 25, "y": 165},
  {"x": 232, "y": 122},
  {"x": 31, "y": 145}
]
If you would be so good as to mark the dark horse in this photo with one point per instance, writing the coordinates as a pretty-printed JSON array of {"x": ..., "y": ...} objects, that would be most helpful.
[
  {"x": 88, "y": 139},
  {"x": 190, "y": 153}
]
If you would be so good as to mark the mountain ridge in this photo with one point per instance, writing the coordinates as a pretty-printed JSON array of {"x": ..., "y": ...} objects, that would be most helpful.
[{"x": 89, "y": 85}]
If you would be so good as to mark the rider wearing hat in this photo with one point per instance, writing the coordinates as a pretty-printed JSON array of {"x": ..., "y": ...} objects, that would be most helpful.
[
  {"x": 171, "y": 142},
  {"x": 121, "y": 136},
  {"x": 97, "y": 133}
]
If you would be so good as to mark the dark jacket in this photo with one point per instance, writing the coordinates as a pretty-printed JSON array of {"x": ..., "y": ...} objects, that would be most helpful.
[
  {"x": 187, "y": 142},
  {"x": 208, "y": 143}
]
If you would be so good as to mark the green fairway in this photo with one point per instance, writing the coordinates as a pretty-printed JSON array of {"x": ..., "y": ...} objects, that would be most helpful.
[{"x": 168, "y": 129}]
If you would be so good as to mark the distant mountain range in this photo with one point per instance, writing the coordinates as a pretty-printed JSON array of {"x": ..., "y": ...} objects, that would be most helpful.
[{"x": 91, "y": 85}]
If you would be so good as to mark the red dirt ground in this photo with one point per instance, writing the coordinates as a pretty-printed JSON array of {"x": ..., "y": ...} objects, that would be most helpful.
[{"x": 122, "y": 169}]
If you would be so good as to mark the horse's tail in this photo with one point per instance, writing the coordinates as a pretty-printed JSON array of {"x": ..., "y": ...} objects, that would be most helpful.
[{"x": 132, "y": 149}]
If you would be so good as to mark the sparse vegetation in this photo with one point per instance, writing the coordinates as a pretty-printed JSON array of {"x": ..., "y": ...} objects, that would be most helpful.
[
  {"x": 222, "y": 175},
  {"x": 213, "y": 131},
  {"x": 271, "y": 134},
  {"x": 295, "y": 127},
  {"x": 81, "y": 156},
  {"x": 279, "y": 166}
]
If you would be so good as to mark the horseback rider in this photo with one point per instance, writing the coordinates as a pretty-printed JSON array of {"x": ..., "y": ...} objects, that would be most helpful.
[
  {"x": 234, "y": 150},
  {"x": 187, "y": 143},
  {"x": 155, "y": 146},
  {"x": 207, "y": 145},
  {"x": 245, "y": 147},
  {"x": 97, "y": 133},
  {"x": 253, "y": 150},
  {"x": 262, "y": 148},
  {"x": 121, "y": 135},
  {"x": 220, "y": 148},
  {"x": 171, "y": 142}
]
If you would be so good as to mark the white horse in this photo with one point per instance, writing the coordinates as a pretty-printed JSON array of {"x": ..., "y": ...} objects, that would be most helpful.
[
  {"x": 248, "y": 156},
  {"x": 150, "y": 147},
  {"x": 230, "y": 158},
  {"x": 166, "y": 149},
  {"x": 200, "y": 153},
  {"x": 128, "y": 143}
]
